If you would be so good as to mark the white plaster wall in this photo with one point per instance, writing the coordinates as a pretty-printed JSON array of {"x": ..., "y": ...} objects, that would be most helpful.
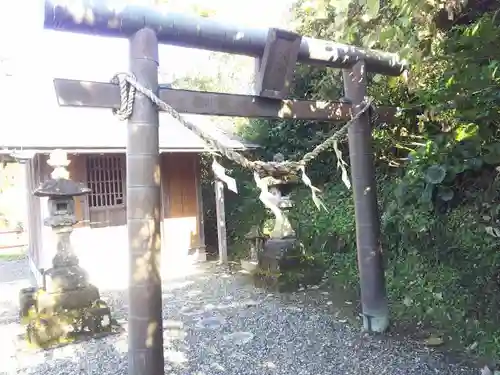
[
  {"x": 48, "y": 242},
  {"x": 103, "y": 252}
]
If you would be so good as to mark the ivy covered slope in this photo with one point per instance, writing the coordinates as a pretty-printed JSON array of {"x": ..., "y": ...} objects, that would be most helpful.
[{"x": 438, "y": 174}]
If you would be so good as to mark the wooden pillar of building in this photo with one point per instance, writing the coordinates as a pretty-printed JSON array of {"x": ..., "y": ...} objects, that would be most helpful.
[{"x": 221, "y": 221}]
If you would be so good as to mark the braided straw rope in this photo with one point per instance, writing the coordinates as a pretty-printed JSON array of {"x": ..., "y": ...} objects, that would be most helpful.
[{"x": 129, "y": 87}]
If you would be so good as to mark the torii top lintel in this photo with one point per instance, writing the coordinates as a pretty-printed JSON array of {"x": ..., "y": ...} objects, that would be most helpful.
[{"x": 117, "y": 19}]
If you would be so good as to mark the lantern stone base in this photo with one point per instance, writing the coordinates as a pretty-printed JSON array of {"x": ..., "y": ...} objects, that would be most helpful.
[
  {"x": 67, "y": 308},
  {"x": 63, "y": 278},
  {"x": 279, "y": 260}
]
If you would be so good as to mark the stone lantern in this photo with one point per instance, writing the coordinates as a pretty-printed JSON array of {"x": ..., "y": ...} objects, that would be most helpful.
[
  {"x": 68, "y": 303},
  {"x": 281, "y": 250}
]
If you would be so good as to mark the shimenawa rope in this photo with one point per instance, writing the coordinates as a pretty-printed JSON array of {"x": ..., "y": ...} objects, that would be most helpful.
[{"x": 129, "y": 86}]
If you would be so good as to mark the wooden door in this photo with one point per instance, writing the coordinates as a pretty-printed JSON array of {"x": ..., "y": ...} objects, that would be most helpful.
[
  {"x": 78, "y": 173},
  {"x": 180, "y": 225}
]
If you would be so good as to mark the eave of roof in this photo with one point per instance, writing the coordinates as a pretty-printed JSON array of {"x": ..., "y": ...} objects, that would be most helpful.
[{"x": 42, "y": 124}]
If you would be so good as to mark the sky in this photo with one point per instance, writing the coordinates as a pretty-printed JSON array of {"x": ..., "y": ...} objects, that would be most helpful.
[{"x": 33, "y": 52}]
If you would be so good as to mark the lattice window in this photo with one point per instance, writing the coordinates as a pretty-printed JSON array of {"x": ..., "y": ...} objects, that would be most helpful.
[{"x": 106, "y": 179}]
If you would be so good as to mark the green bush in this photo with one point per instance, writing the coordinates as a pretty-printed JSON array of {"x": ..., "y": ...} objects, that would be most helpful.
[{"x": 441, "y": 271}]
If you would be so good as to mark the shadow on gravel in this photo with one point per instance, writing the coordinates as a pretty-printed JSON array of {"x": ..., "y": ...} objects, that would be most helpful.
[
  {"x": 218, "y": 323},
  {"x": 79, "y": 359}
]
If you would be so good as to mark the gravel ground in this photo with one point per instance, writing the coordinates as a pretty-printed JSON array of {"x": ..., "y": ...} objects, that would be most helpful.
[{"x": 219, "y": 324}]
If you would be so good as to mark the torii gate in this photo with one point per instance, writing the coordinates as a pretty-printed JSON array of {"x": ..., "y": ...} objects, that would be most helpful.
[{"x": 277, "y": 52}]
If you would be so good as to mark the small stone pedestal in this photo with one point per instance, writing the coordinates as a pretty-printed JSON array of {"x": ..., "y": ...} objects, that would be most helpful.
[
  {"x": 281, "y": 252},
  {"x": 256, "y": 239},
  {"x": 67, "y": 304}
]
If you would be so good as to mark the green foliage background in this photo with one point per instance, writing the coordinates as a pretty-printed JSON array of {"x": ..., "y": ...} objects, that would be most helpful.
[{"x": 436, "y": 166}]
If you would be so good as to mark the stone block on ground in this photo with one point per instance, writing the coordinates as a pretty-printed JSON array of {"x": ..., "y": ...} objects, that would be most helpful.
[
  {"x": 249, "y": 266},
  {"x": 278, "y": 263}
]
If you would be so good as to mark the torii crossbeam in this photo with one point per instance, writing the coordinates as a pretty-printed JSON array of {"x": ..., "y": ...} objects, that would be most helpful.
[
  {"x": 277, "y": 52},
  {"x": 117, "y": 19}
]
